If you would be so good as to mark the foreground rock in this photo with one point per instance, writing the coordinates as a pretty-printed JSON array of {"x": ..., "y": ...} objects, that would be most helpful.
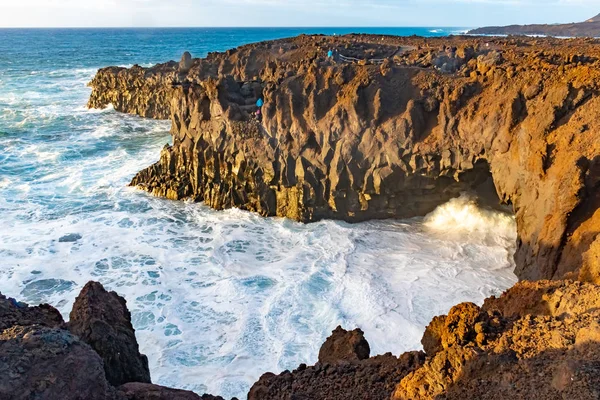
[
  {"x": 41, "y": 359},
  {"x": 38, "y": 362},
  {"x": 538, "y": 340},
  {"x": 102, "y": 320},
  {"x": 146, "y": 391},
  {"x": 344, "y": 372},
  {"x": 343, "y": 346},
  {"x": 589, "y": 28},
  {"x": 408, "y": 125}
]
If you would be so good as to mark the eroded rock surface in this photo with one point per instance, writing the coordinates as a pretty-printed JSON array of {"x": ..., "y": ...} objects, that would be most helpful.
[
  {"x": 38, "y": 362},
  {"x": 402, "y": 126},
  {"x": 538, "y": 340},
  {"x": 344, "y": 372},
  {"x": 344, "y": 346},
  {"x": 13, "y": 312},
  {"x": 101, "y": 319},
  {"x": 147, "y": 391}
]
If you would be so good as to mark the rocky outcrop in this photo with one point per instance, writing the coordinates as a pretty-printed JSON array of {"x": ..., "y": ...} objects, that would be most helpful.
[
  {"x": 344, "y": 372},
  {"x": 38, "y": 362},
  {"x": 13, "y": 312},
  {"x": 588, "y": 28},
  {"x": 344, "y": 346},
  {"x": 538, "y": 340},
  {"x": 399, "y": 127},
  {"x": 41, "y": 359},
  {"x": 102, "y": 320},
  {"x": 146, "y": 391}
]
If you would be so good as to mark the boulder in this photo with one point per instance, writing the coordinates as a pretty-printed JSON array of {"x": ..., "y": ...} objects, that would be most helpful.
[{"x": 102, "y": 320}]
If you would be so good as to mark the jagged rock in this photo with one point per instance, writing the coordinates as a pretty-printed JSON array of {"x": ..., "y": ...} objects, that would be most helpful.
[
  {"x": 38, "y": 362},
  {"x": 347, "y": 141},
  {"x": 540, "y": 340},
  {"x": 102, "y": 320},
  {"x": 13, "y": 312},
  {"x": 146, "y": 391},
  {"x": 344, "y": 346},
  {"x": 186, "y": 62},
  {"x": 373, "y": 378}
]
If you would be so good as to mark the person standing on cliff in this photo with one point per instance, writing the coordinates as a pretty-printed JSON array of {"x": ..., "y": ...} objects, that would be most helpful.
[{"x": 259, "y": 104}]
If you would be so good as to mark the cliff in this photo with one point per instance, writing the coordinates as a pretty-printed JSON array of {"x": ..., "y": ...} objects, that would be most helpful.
[
  {"x": 388, "y": 127},
  {"x": 588, "y": 28}
]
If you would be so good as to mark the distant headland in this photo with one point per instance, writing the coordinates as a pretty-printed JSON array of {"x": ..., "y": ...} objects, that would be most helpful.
[{"x": 588, "y": 28}]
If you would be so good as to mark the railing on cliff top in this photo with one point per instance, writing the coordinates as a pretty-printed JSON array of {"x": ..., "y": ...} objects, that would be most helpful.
[{"x": 367, "y": 60}]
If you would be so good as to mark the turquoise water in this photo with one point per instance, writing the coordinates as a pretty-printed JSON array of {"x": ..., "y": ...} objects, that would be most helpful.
[{"x": 217, "y": 298}]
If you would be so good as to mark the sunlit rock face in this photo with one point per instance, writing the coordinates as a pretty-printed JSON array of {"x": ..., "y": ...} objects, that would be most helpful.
[{"x": 411, "y": 124}]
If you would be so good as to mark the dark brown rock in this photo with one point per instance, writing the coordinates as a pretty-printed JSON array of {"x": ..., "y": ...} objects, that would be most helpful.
[
  {"x": 372, "y": 379},
  {"x": 146, "y": 391},
  {"x": 13, "y": 312},
  {"x": 344, "y": 346},
  {"x": 102, "y": 320},
  {"x": 38, "y": 362}
]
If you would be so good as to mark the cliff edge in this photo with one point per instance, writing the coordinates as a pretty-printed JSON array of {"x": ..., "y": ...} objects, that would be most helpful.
[{"x": 386, "y": 127}]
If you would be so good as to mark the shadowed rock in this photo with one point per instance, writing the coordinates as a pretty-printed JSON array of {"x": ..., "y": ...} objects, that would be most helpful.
[
  {"x": 344, "y": 372},
  {"x": 146, "y": 391},
  {"x": 13, "y": 312},
  {"x": 102, "y": 320},
  {"x": 38, "y": 362}
]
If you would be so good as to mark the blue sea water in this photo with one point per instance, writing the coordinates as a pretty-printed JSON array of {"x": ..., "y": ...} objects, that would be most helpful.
[{"x": 217, "y": 298}]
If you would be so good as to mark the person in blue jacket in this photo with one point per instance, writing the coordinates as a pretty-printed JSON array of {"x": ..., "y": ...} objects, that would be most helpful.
[
  {"x": 330, "y": 54},
  {"x": 259, "y": 103}
]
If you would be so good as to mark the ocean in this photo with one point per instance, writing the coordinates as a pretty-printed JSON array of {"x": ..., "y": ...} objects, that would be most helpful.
[{"x": 217, "y": 297}]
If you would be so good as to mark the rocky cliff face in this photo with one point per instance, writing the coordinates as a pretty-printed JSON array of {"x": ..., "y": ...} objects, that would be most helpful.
[{"x": 392, "y": 129}]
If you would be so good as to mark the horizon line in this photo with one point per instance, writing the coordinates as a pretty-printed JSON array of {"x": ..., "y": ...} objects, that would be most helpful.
[{"x": 234, "y": 27}]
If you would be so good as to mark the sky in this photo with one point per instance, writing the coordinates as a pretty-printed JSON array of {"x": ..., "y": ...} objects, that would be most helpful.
[{"x": 189, "y": 13}]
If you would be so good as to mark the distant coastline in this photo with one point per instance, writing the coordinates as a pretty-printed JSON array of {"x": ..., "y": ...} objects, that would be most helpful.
[{"x": 589, "y": 28}]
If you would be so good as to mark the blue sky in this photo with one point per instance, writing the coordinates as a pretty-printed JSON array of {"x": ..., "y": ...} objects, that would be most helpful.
[{"x": 463, "y": 13}]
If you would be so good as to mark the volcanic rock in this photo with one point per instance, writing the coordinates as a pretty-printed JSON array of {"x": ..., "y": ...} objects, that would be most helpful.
[
  {"x": 344, "y": 346},
  {"x": 371, "y": 379},
  {"x": 102, "y": 320},
  {"x": 38, "y": 362},
  {"x": 186, "y": 62},
  {"x": 146, "y": 391},
  {"x": 538, "y": 340},
  {"x": 13, "y": 312},
  {"x": 394, "y": 129}
]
